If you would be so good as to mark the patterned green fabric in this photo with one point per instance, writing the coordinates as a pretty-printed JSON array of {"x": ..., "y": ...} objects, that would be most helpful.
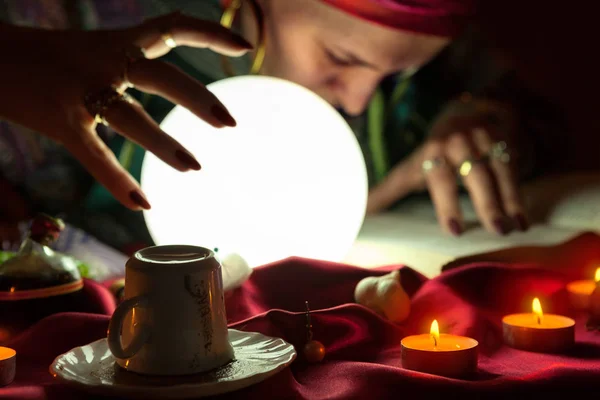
[{"x": 399, "y": 121}]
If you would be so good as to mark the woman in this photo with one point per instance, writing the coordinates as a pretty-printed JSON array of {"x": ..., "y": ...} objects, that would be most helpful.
[{"x": 373, "y": 60}]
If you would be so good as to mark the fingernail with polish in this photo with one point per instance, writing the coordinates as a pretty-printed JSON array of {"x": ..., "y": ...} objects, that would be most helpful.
[
  {"x": 455, "y": 227},
  {"x": 223, "y": 115},
  {"x": 521, "y": 222},
  {"x": 500, "y": 226},
  {"x": 138, "y": 198},
  {"x": 188, "y": 160},
  {"x": 243, "y": 42}
]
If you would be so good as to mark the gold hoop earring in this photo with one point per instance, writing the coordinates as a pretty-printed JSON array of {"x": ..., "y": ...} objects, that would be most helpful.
[{"x": 227, "y": 21}]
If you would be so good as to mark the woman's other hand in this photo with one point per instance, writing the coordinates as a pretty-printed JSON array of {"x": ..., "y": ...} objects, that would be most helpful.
[
  {"x": 62, "y": 83},
  {"x": 470, "y": 142}
]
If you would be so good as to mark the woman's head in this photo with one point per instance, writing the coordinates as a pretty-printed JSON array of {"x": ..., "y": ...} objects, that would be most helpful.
[{"x": 342, "y": 51}]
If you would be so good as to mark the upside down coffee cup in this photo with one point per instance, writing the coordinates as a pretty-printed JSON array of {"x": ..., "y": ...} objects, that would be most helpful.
[{"x": 172, "y": 320}]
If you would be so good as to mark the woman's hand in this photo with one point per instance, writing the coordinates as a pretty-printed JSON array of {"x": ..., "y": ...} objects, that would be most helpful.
[
  {"x": 470, "y": 141},
  {"x": 62, "y": 83}
]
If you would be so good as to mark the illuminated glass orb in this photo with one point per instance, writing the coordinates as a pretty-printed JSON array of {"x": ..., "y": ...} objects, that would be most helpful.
[{"x": 289, "y": 180}]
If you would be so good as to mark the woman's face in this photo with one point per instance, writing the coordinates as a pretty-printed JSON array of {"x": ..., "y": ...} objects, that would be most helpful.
[{"x": 340, "y": 57}]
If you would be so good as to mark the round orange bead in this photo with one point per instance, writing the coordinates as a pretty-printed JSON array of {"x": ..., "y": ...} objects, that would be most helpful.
[{"x": 314, "y": 351}]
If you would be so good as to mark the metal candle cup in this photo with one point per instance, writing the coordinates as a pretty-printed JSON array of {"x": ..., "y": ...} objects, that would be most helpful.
[
  {"x": 8, "y": 365},
  {"x": 440, "y": 354},
  {"x": 580, "y": 291},
  {"x": 538, "y": 332}
]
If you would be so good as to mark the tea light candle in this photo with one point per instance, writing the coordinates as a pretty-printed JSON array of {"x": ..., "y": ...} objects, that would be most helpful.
[
  {"x": 594, "y": 303},
  {"x": 538, "y": 332},
  {"x": 440, "y": 354},
  {"x": 580, "y": 291},
  {"x": 8, "y": 365}
]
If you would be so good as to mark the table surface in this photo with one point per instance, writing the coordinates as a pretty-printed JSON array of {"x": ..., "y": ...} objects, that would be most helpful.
[{"x": 402, "y": 237}]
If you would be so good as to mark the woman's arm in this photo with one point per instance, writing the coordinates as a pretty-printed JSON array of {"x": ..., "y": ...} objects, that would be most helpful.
[{"x": 58, "y": 83}]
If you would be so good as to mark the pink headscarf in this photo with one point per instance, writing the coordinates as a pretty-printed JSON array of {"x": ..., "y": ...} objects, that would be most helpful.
[{"x": 433, "y": 17}]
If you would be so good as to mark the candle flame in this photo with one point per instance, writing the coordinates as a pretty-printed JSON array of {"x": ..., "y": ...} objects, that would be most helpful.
[
  {"x": 537, "y": 310},
  {"x": 435, "y": 332},
  {"x": 597, "y": 275}
]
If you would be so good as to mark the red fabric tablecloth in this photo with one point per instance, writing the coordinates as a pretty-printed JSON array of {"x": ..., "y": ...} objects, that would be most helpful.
[{"x": 363, "y": 350}]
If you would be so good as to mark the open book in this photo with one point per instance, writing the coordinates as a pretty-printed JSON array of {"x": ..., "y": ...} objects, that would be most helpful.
[{"x": 560, "y": 208}]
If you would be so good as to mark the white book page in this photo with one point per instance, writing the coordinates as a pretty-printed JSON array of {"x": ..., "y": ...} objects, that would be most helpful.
[{"x": 571, "y": 201}]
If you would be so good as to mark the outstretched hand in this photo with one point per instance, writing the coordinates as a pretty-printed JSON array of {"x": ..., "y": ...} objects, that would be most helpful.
[
  {"x": 62, "y": 83},
  {"x": 470, "y": 143}
]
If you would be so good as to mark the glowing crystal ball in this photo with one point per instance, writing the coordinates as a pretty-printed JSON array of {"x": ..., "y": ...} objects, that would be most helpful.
[{"x": 289, "y": 180}]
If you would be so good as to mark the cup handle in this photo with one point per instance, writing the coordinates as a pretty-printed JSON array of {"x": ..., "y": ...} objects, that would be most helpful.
[{"x": 116, "y": 325}]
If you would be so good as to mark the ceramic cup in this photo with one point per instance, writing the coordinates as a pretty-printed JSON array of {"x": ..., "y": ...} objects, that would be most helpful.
[{"x": 172, "y": 320}]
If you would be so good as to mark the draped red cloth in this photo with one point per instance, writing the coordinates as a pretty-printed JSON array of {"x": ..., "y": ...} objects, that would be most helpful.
[
  {"x": 363, "y": 350},
  {"x": 433, "y": 17}
]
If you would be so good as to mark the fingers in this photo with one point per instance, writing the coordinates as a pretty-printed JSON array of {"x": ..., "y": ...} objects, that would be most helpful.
[
  {"x": 478, "y": 180},
  {"x": 506, "y": 180},
  {"x": 183, "y": 30},
  {"x": 484, "y": 168},
  {"x": 100, "y": 161},
  {"x": 164, "y": 79},
  {"x": 441, "y": 182},
  {"x": 129, "y": 118}
]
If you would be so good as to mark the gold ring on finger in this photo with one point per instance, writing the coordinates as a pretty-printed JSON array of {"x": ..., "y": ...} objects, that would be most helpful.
[
  {"x": 165, "y": 30},
  {"x": 432, "y": 163},
  {"x": 465, "y": 168},
  {"x": 499, "y": 151},
  {"x": 97, "y": 103},
  {"x": 169, "y": 40}
]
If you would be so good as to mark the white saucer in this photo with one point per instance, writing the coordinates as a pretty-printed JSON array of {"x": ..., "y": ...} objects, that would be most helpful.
[{"x": 92, "y": 368}]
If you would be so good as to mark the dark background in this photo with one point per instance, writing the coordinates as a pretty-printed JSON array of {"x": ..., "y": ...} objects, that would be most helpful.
[{"x": 554, "y": 47}]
